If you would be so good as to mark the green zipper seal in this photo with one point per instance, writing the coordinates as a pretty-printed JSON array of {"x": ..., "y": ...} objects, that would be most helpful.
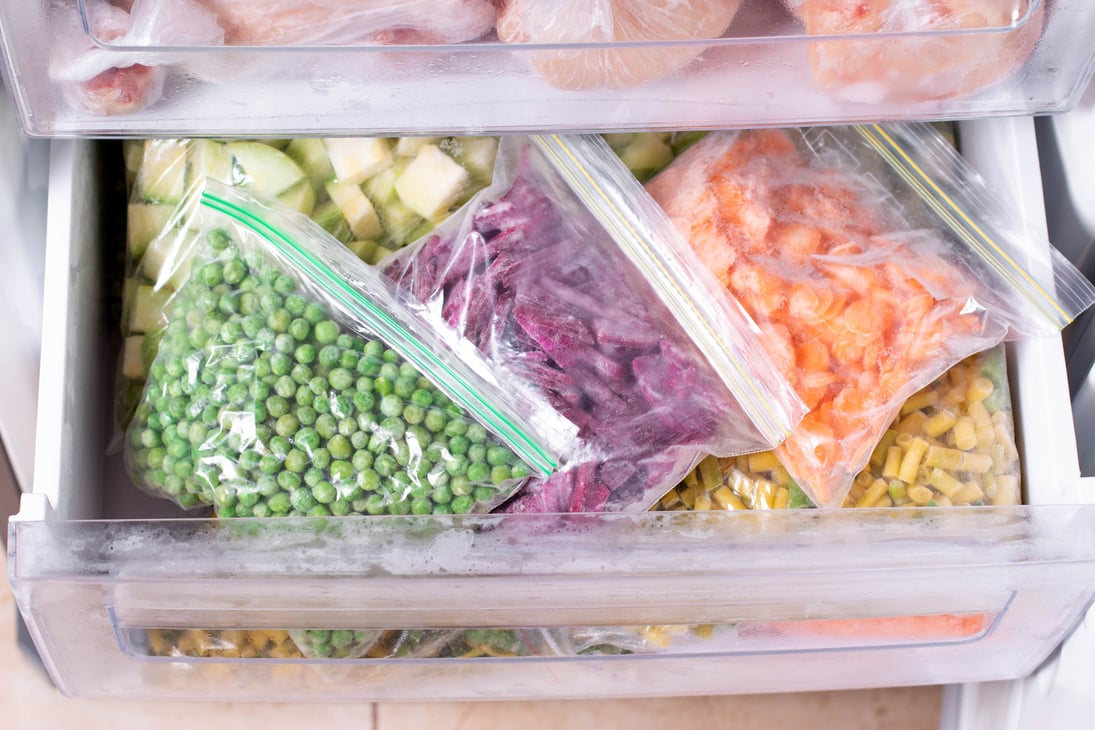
[
  {"x": 963, "y": 226},
  {"x": 392, "y": 332}
]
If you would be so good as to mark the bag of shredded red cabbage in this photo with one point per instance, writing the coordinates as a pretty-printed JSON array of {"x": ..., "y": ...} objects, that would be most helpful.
[
  {"x": 292, "y": 380},
  {"x": 873, "y": 259},
  {"x": 569, "y": 278}
]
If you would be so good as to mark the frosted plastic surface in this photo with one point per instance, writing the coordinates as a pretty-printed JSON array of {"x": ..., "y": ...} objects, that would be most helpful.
[{"x": 109, "y": 72}]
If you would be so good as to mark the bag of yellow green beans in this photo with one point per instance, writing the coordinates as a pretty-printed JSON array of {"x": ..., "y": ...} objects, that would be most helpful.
[{"x": 951, "y": 444}]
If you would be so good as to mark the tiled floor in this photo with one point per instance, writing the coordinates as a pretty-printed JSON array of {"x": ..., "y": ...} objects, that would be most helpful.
[{"x": 30, "y": 701}]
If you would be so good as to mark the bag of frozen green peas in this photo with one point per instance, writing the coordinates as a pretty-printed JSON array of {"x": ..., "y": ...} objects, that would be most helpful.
[{"x": 291, "y": 381}]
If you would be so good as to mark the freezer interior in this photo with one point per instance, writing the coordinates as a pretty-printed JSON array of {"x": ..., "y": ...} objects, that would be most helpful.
[{"x": 87, "y": 544}]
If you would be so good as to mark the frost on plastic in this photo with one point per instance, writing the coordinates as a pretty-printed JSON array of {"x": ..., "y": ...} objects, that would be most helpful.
[
  {"x": 867, "y": 283},
  {"x": 531, "y": 277},
  {"x": 271, "y": 395},
  {"x": 612, "y": 21},
  {"x": 934, "y": 59}
]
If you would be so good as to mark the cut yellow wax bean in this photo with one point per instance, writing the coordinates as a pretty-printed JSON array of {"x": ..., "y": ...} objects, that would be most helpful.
[
  {"x": 878, "y": 456},
  {"x": 725, "y": 498},
  {"x": 783, "y": 498},
  {"x": 893, "y": 462},
  {"x": 710, "y": 474},
  {"x": 912, "y": 423},
  {"x": 874, "y": 493},
  {"x": 979, "y": 389},
  {"x": 1007, "y": 490},
  {"x": 920, "y": 495},
  {"x": 955, "y": 396},
  {"x": 920, "y": 401},
  {"x": 943, "y": 501},
  {"x": 977, "y": 463},
  {"x": 910, "y": 462},
  {"x": 965, "y": 435},
  {"x": 781, "y": 477},
  {"x": 937, "y": 425},
  {"x": 944, "y": 482},
  {"x": 968, "y": 494},
  {"x": 703, "y": 502},
  {"x": 763, "y": 461},
  {"x": 944, "y": 458}
]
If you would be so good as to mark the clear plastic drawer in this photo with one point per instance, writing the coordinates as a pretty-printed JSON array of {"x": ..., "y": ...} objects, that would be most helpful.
[{"x": 320, "y": 67}]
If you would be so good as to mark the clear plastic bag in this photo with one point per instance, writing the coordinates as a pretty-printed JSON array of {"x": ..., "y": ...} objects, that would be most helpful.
[
  {"x": 367, "y": 212},
  {"x": 917, "y": 66},
  {"x": 122, "y": 82},
  {"x": 596, "y": 22},
  {"x": 291, "y": 380},
  {"x": 339, "y": 22},
  {"x": 873, "y": 259},
  {"x": 568, "y": 277},
  {"x": 965, "y": 419}
]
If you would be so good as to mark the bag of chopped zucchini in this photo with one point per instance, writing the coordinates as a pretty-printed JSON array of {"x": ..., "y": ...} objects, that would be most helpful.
[
  {"x": 958, "y": 431},
  {"x": 873, "y": 258},
  {"x": 291, "y": 379},
  {"x": 374, "y": 195}
]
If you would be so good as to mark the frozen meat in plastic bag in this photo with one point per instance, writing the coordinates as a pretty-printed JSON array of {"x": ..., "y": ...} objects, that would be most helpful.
[
  {"x": 867, "y": 285},
  {"x": 332, "y": 22},
  {"x": 601, "y": 22},
  {"x": 569, "y": 278},
  {"x": 291, "y": 380},
  {"x": 108, "y": 82},
  {"x": 946, "y": 48}
]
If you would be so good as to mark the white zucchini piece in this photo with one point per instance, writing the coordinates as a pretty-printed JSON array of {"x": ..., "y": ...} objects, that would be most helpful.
[
  {"x": 355, "y": 160},
  {"x": 301, "y": 197},
  {"x": 330, "y": 218},
  {"x": 162, "y": 177},
  {"x": 166, "y": 261},
  {"x": 211, "y": 160},
  {"x": 431, "y": 183},
  {"x": 362, "y": 249},
  {"x": 144, "y": 222},
  {"x": 268, "y": 169},
  {"x": 149, "y": 312},
  {"x": 400, "y": 222},
  {"x": 356, "y": 209},
  {"x": 477, "y": 155},
  {"x": 311, "y": 155},
  {"x": 409, "y": 146},
  {"x": 133, "y": 358}
]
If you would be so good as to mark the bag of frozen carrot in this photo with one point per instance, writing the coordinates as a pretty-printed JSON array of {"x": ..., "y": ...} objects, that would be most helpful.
[{"x": 873, "y": 258}]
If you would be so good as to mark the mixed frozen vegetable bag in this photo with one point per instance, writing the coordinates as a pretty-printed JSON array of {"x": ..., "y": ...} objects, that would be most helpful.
[
  {"x": 291, "y": 379},
  {"x": 568, "y": 277},
  {"x": 872, "y": 258}
]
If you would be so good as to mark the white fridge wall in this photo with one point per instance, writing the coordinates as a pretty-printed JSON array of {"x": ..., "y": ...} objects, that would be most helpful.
[{"x": 23, "y": 187}]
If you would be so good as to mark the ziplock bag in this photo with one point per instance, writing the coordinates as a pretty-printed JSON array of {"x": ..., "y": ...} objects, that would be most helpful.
[
  {"x": 988, "y": 41},
  {"x": 873, "y": 259},
  {"x": 368, "y": 212},
  {"x": 601, "y": 22},
  {"x": 291, "y": 380},
  {"x": 568, "y": 277},
  {"x": 964, "y": 419}
]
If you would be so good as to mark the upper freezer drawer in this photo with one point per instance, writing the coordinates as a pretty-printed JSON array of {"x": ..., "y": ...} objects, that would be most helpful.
[
  {"x": 795, "y": 600},
  {"x": 323, "y": 67}
]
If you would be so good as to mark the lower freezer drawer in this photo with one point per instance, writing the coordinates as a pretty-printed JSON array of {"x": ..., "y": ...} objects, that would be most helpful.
[{"x": 793, "y": 600}]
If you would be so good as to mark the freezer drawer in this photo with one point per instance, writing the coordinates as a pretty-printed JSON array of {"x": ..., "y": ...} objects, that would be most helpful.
[
  {"x": 84, "y": 67},
  {"x": 93, "y": 567}
]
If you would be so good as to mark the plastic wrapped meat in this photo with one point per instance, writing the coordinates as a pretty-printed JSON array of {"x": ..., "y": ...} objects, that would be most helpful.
[
  {"x": 331, "y": 22},
  {"x": 110, "y": 82},
  {"x": 607, "y": 21},
  {"x": 942, "y": 64}
]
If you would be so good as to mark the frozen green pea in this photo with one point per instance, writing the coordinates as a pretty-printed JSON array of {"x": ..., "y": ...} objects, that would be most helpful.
[
  {"x": 500, "y": 474},
  {"x": 435, "y": 420},
  {"x": 277, "y": 406},
  {"x": 362, "y": 460},
  {"x": 382, "y": 386},
  {"x": 284, "y": 285},
  {"x": 359, "y": 439},
  {"x": 404, "y": 387},
  {"x": 321, "y": 458},
  {"x": 307, "y": 415},
  {"x": 477, "y": 452},
  {"x": 348, "y": 359},
  {"x": 211, "y": 274},
  {"x": 421, "y": 507},
  {"x": 304, "y": 397},
  {"x": 342, "y": 407},
  {"x": 279, "y": 446},
  {"x": 364, "y": 401},
  {"x": 456, "y": 427},
  {"x": 519, "y": 471},
  {"x": 296, "y": 305},
  {"x": 462, "y": 505},
  {"x": 339, "y": 446},
  {"x": 369, "y": 480},
  {"x": 324, "y": 492},
  {"x": 267, "y": 485},
  {"x": 389, "y": 371},
  {"x": 458, "y": 445},
  {"x": 476, "y": 433},
  {"x": 460, "y": 486},
  {"x": 301, "y": 374},
  {"x": 329, "y": 356},
  {"x": 305, "y": 354},
  {"x": 393, "y": 427},
  {"x": 414, "y": 414},
  {"x": 279, "y": 503},
  {"x": 279, "y": 321},
  {"x": 315, "y": 313},
  {"x": 478, "y": 472},
  {"x": 326, "y": 332},
  {"x": 280, "y": 364},
  {"x": 483, "y": 494},
  {"x": 442, "y": 509},
  {"x": 347, "y": 427},
  {"x": 422, "y": 398},
  {"x": 285, "y": 386},
  {"x": 385, "y": 465},
  {"x": 296, "y": 461},
  {"x": 302, "y": 499},
  {"x": 391, "y": 405},
  {"x": 368, "y": 366},
  {"x": 340, "y": 379},
  {"x": 441, "y": 495},
  {"x": 326, "y": 426},
  {"x": 313, "y": 477},
  {"x": 339, "y": 508},
  {"x": 322, "y": 405},
  {"x": 375, "y": 504}
]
